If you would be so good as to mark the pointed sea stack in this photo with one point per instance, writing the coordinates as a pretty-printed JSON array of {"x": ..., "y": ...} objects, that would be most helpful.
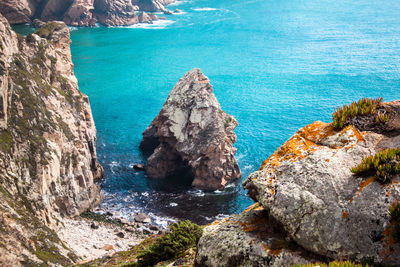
[{"x": 192, "y": 135}]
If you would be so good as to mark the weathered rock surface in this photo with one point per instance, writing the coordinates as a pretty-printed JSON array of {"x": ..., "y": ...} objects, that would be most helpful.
[
  {"x": 80, "y": 12},
  {"x": 47, "y": 145},
  {"x": 311, "y": 207},
  {"x": 191, "y": 134},
  {"x": 152, "y": 5},
  {"x": 115, "y": 12},
  {"x": 248, "y": 239},
  {"x": 307, "y": 185},
  {"x": 147, "y": 17}
]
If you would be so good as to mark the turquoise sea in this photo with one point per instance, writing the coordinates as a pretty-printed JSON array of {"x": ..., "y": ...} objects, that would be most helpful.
[{"x": 275, "y": 65}]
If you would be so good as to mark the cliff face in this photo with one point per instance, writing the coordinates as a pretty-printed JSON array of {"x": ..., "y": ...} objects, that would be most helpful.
[
  {"x": 80, "y": 12},
  {"x": 307, "y": 187},
  {"x": 47, "y": 145},
  {"x": 192, "y": 134}
]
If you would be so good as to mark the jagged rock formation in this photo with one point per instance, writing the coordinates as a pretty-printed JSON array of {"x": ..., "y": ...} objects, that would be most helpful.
[
  {"x": 306, "y": 185},
  {"x": 81, "y": 12},
  {"x": 47, "y": 146},
  {"x": 147, "y": 17},
  {"x": 191, "y": 133}
]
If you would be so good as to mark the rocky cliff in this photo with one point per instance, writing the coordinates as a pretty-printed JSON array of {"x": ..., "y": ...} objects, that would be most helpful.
[
  {"x": 192, "y": 135},
  {"x": 81, "y": 12},
  {"x": 307, "y": 187},
  {"x": 47, "y": 146}
]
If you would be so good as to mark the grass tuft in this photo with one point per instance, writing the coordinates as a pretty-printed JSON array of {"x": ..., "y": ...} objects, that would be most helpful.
[
  {"x": 362, "y": 107},
  {"x": 383, "y": 165}
]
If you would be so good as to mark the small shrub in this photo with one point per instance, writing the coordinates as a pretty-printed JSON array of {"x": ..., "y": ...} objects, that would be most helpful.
[
  {"x": 365, "y": 106},
  {"x": 394, "y": 212},
  {"x": 181, "y": 236}
]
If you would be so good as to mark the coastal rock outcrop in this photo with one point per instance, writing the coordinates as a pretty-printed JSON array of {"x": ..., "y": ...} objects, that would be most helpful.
[
  {"x": 48, "y": 160},
  {"x": 147, "y": 17},
  {"x": 115, "y": 12},
  {"x": 81, "y": 12},
  {"x": 307, "y": 186},
  {"x": 251, "y": 238},
  {"x": 191, "y": 134}
]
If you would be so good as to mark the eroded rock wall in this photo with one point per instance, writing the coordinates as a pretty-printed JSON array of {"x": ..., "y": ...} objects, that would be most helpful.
[
  {"x": 48, "y": 158},
  {"x": 81, "y": 12}
]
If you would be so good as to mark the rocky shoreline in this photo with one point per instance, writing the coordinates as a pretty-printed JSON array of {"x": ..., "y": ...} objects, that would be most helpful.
[{"x": 85, "y": 13}]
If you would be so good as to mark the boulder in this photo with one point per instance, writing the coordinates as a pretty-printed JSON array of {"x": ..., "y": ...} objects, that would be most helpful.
[
  {"x": 192, "y": 136},
  {"x": 94, "y": 225},
  {"x": 142, "y": 218},
  {"x": 139, "y": 167},
  {"x": 307, "y": 186},
  {"x": 37, "y": 23},
  {"x": 248, "y": 239}
]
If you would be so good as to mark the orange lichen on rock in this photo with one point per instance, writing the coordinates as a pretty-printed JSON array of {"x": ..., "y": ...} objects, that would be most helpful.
[
  {"x": 344, "y": 214},
  {"x": 255, "y": 206},
  {"x": 298, "y": 145},
  {"x": 271, "y": 251},
  {"x": 388, "y": 241},
  {"x": 307, "y": 140},
  {"x": 365, "y": 183}
]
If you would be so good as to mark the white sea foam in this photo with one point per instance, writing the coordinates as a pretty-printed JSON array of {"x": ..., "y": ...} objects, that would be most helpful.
[
  {"x": 72, "y": 28},
  {"x": 177, "y": 3},
  {"x": 217, "y": 192},
  {"x": 247, "y": 167},
  {"x": 221, "y": 216},
  {"x": 204, "y": 9},
  {"x": 145, "y": 194},
  {"x": 158, "y": 24},
  {"x": 113, "y": 164},
  {"x": 172, "y": 204},
  {"x": 230, "y": 185},
  {"x": 197, "y": 192}
]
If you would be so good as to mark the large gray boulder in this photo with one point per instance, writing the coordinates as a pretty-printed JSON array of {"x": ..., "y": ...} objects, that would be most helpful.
[
  {"x": 307, "y": 185},
  {"x": 192, "y": 134}
]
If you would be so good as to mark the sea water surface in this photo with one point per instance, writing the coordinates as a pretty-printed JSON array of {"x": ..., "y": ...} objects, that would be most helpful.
[{"x": 275, "y": 65}]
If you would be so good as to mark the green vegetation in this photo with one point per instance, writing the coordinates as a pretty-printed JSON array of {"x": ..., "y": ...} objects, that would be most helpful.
[
  {"x": 47, "y": 30},
  {"x": 394, "y": 212},
  {"x": 100, "y": 218},
  {"x": 181, "y": 236},
  {"x": 363, "y": 107},
  {"x": 335, "y": 264},
  {"x": 384, "y": 165},
  {"x": 227, "y": 122},
  {"x": 178, "y": 243},
  {"x": 6, "y": 141}
]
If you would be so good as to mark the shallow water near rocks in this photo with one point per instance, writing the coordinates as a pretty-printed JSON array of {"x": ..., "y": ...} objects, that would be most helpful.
[{"x": 275, "y": 65}]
